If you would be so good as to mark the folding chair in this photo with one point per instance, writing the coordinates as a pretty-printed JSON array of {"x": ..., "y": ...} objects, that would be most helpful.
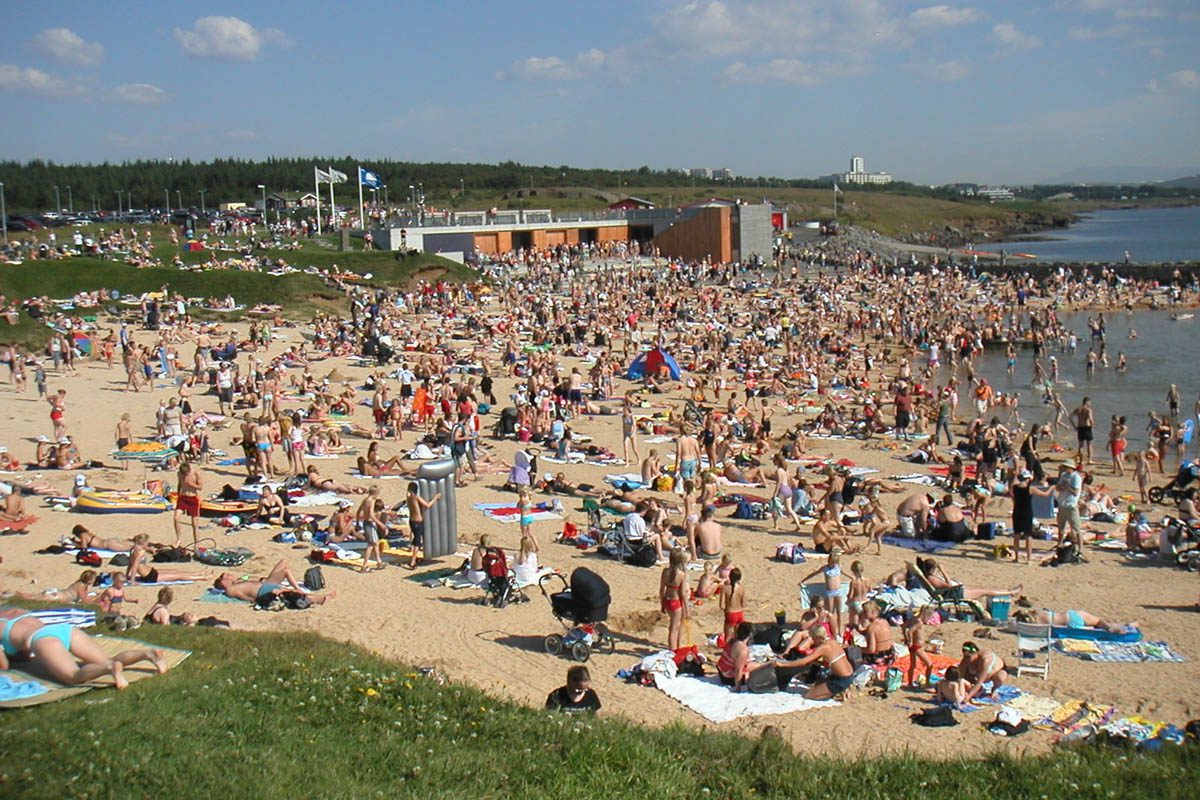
[
  {"x": 1032, "y": 639},
  {"x": 950, "y": 599}
]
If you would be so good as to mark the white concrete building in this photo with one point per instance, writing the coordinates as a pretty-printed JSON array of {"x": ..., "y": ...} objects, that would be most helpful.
[{"x": 858, "y": 173}]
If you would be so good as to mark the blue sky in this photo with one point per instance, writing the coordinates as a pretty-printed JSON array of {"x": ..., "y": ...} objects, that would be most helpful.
[{"x": 931, "y": 92}]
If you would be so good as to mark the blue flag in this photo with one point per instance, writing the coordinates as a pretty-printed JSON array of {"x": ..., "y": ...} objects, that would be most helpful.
[{"x": 368, "y": 178}]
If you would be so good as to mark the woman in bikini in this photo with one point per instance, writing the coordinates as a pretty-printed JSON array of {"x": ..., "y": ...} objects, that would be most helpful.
[
  {"x": 316, "y": 481},
  {"x": 829, "y": 653},
  {"x": 78, "y": 592},
  {"x": 84, "y": 539},
  {"x": 672, "y": 593},
  {"x": 58, "y": 646},
  {"x": 1071, "y": 618},
  {"x": 979, "y": 667},
  {"x": 372, "y": 466},
  {"x": 733, "y": 602},
  {"x": 938, "y": 579},
  {"x": 141, "y": 571}
]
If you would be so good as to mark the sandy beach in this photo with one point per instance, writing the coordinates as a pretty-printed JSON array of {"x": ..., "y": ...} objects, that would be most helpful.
[{"x": 501, "y": 650}]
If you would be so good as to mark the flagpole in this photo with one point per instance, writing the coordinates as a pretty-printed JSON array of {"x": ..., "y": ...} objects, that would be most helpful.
[
  {"x": 362, "y": 217},
  {"x": 317, "y": 186},
  {"x": 835, "y": 199},
  {"x": 332, "y": 206}
]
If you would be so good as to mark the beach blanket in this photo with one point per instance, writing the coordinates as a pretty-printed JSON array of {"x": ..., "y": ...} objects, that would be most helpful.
[
  {"x": 1120, "y": 652},
  {"x": 1033, "y": 708},
  {"x": 920, "y": 545},
  {"x": 359, "y": 476},
  {"x": 919, "y": 479},
  {"x": 716, "y": 703},
  {"x": 633, "y": 479},
  {"x": 75, "y": 617},
  {"x": 580, "y": 458},
  {"x": 1096, "y": 634},
  {"x": 16, "y": 526},
  {"x": 940, "y": 661},
  {"x": 458, "y": 580},
  {"x": 318, "y": 499},
  {"x": 211, "y": 595},
  {"x": 74, "y": 551},
  {"x": 1075, "y": 714},
  {"x": 55, "y": 691},
  {"x": 507, "y": 512}
]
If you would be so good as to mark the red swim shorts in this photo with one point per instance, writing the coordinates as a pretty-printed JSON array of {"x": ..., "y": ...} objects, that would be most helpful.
[
  {"x": 735, "y": 617},
  {"x": 674, "y": 604},
  {"x": 189, "y": 504}
]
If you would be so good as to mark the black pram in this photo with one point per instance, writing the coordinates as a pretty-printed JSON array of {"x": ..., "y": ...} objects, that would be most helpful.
[{"x": 583, "y": 608}]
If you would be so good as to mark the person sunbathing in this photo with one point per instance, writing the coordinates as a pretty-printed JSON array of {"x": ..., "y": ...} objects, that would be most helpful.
[
  {"x": 1072, "y": 618},
  {"x": 14, "y": 503},
  {"x": 271, "y": 508},
  {"x": 372, "y": 465},
  {"x": 939, "y": 580},
  {"x": 141, "y": 571},
  {"x": 260, "y": 590},
  {"x": 320, "y": 483},
  {"x": 84, "y": 539},
  {"x": 750, "y": 475},
  {"x": 57, "y": 647},
  {"x": 81, "y": 591}
]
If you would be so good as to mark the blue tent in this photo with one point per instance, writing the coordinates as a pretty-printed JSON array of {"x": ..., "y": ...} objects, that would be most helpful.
[{"x": 652, "y": 361}]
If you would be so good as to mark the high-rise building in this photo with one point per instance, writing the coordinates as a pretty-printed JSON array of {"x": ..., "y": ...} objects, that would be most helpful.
[
  {"x": 858, "y": 164},
  {"x": 858, "y": 173}
]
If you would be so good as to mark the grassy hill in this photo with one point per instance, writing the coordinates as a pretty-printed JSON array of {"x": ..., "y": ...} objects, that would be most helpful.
[{"x": 295, "y": 715}]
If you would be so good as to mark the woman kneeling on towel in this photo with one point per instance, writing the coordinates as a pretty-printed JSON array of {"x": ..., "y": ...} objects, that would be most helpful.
[
  {"x": 831, "y": 655},
  {"x": 979, "y": 667},
  {"x": 57, "y": 647}
]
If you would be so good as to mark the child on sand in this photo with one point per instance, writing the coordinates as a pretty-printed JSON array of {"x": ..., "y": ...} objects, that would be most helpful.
[
  {"x": 725, "y": 568},
  {"x": 372, "y": 525},
  {"x": 952, "y": 689},
  {"x": 112, "y": 597},
  {"x": 914, "y": 637},
  {"x": 832, "y": 573},
  {"x": 733, "y": 600},
  {"x": 417, "y": 506},
  {"x": 1141, "y": 474},
  {"x": 709, "y": 585},
  {"x": 857, "y": 594}
]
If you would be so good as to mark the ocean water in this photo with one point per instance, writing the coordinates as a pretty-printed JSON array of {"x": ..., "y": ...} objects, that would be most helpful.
[
  {"x": 1164, "y": 352},
  {"x": 1151, "y": 235}
]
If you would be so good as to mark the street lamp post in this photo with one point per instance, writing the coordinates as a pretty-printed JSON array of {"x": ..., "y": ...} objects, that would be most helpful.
[
  {"x": 168, "y": 193},
  {"x": 263, "y": 187},
  {"x": 3, "y": 214},
  {"x": 178, "y": 199},
  {"x": 385, "y": 196},
  {"x": 70, "y": 201},
  {"x": 412, "y": 196},
  {"x": 57, "y": 201},
  {"x": 118, "y": 202},
  {"x": 202, "y": 208}
]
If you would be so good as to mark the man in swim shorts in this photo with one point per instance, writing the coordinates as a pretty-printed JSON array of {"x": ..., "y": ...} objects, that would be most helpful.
[{"x": 187, "y": 502}]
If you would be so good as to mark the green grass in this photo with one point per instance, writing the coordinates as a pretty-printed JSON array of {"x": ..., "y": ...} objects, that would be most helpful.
[{"x": 295, "y": 715}]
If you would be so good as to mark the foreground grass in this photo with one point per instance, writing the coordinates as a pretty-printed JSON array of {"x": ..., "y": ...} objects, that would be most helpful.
[{"x": 286, "y": 716}]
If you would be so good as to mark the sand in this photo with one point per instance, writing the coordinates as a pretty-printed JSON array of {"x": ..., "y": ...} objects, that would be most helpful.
[{"x": 501, "y": 650}]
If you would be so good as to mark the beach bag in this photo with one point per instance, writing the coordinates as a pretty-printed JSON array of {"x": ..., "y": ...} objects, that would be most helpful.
[
  {"x": 986, "y": 531},
  {"x": 790, "y": 553},
  {"x": 314, "y": 579},
  {"x": 938, "y": 717},
  {"x": 88, "y": 558},
  {"x": 295, "y": 600},
  {"x": 762, "y": 681},
  {"x": 119, "y": 560},
  {"x": 893, "y": 679},
  {"x": 743, "y": 510},
  {"x": 225, "y": 557},
  {"x": 172, "y": 555},
  {"x": 643, "y": 556},
  {"x": 1067, "y": 554},
  {"x": 663, "y": 483}
]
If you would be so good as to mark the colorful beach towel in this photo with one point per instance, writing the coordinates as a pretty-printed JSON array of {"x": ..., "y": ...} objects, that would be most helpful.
[
  {"x": 507, "y": 512},
  {"x": 1126, "y": 653},
  {"x": 717, "y": 703}
]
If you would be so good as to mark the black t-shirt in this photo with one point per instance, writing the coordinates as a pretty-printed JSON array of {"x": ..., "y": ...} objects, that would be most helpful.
[{"x": 561, "y": 700}]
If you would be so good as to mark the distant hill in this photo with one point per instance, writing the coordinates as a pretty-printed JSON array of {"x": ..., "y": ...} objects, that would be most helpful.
[
  {"x": 1119, "y": 174},
  {"x": 1190, "y": 182}
]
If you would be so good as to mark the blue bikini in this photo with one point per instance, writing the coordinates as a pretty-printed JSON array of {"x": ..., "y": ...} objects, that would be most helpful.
[{"x": 59, "y": 630}]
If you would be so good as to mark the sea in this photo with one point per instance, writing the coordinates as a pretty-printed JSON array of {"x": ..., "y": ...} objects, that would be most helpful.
[
  {"x": 1150, "y": 235},
  {"x": 1165, "y": 351}
]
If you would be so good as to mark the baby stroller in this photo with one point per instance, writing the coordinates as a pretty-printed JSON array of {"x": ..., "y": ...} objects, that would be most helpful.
[
  {"x": 1173, "y": 491},
  {"x": 501, "y": 586},
  {"x": 506, "y": 425},
  {"x": 523, "y": 470},
  {"x": 582, "y": 609}
]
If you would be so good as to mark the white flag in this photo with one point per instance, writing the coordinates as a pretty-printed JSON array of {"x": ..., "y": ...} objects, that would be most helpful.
[
  {"x": 836, "y": 190},
  {"x": 323, "y": 176},
  {"x": 336, "y": 176}
]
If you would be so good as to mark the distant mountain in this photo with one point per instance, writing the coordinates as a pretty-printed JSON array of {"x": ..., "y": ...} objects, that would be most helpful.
[
  {"x": 1123, "y": 174},
  {"x": 1191, "y": 182}
]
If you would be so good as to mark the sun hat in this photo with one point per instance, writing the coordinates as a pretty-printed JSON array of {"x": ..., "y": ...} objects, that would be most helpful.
[{"x": 65, "y": 440}]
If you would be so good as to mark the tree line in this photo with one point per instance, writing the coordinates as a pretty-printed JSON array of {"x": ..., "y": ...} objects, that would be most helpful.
[{"x": 30, "y": 186}]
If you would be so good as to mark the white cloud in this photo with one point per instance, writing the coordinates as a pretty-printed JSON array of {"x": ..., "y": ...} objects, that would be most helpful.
[
  {"x": 242, "y": 135},
  {"x": 1126, "y": 9},
  {"x": 944, "y": 16},
  {"x": 63, "y": 44},
  {"x": 28, "y": 80},
  {"x": 228, "y": 38},
  {"x": 138, "y": 94},
  {"x": 1187, "y": 79},
  {"x": 944, "y": 71},
  {"x": 554, "y": 68},
  {"x": 780, "y": 70},
  {"x": 1086, "y": 34},
  {"x": 1009, "y": 38}
]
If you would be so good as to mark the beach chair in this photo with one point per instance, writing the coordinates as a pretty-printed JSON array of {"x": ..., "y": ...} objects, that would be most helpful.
[
  {"x": 1032, "y": 639},
  {"x": 947, "y": 599}
]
